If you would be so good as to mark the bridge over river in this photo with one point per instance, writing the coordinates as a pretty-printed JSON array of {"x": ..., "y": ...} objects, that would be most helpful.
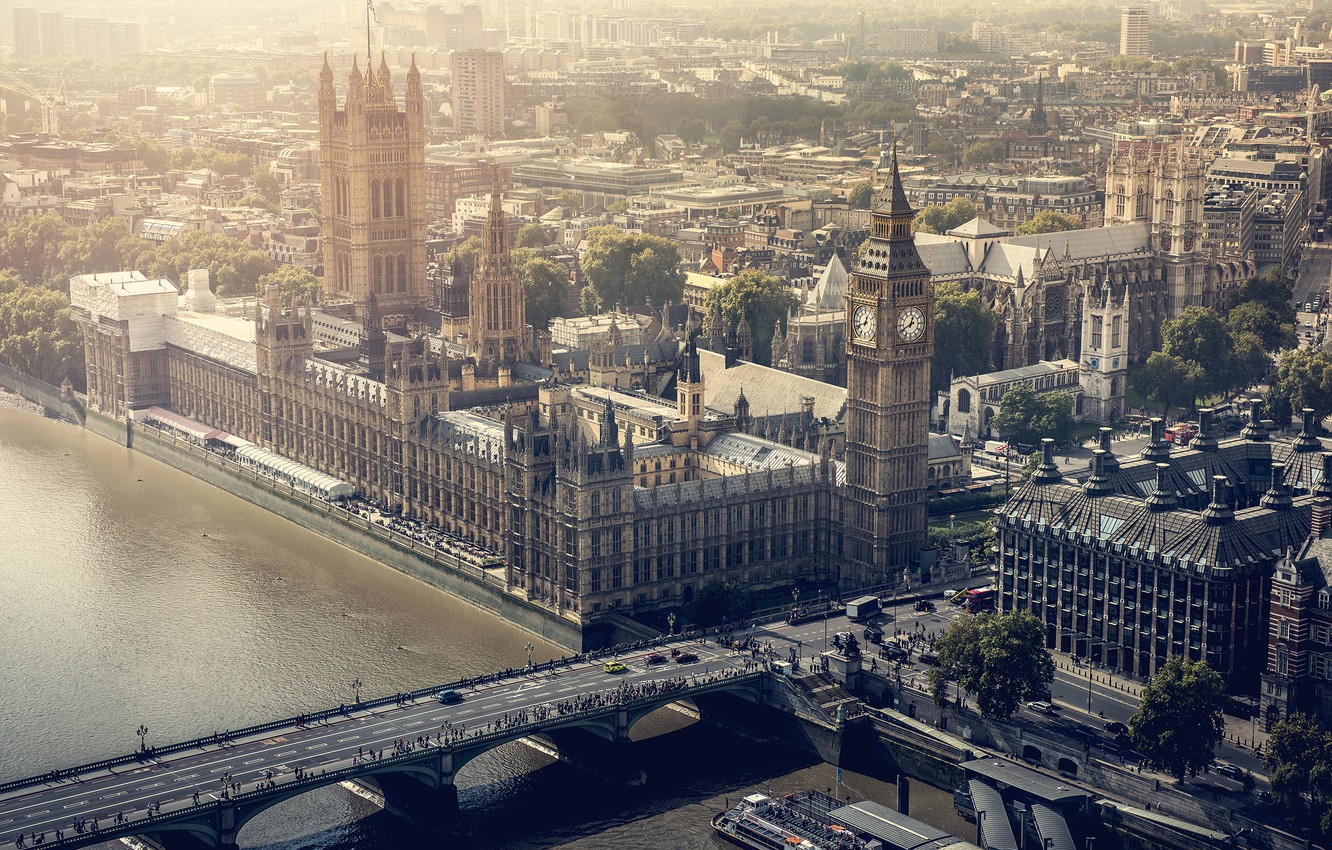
[{"x": 200, "y": 793}]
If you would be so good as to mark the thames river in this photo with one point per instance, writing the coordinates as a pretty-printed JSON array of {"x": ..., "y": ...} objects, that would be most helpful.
[{"x": 135, "y": 594}]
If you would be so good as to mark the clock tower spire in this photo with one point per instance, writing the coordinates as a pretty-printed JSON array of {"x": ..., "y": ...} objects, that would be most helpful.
[{"x": 890, "y": 342}]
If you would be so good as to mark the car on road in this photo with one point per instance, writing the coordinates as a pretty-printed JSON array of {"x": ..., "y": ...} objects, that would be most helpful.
[
  {"x": 656, "y": 658},
  {"x": 1229, "y": 771},
  {"x": 615, "y": 667},
  {"x": 873, "y": 634},
  {"x": 449, "y": 696},
  {"x": 928, "y": 657},
  {"x": 892, "y": 652},
  {"x": 1114, "y": 727},
  {"x": 924, "y": 605},
  {"x": 1040, "y": 706},
  {"x": 686, "y": 658}
]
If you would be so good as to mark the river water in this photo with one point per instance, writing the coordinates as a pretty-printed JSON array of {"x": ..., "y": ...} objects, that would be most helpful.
[{"x": 135, "y": 594}]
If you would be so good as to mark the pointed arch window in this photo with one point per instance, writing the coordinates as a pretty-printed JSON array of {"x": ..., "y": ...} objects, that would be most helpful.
[
  {"x": 374, "y": 199},
  {"x": 399, "y": 199}
]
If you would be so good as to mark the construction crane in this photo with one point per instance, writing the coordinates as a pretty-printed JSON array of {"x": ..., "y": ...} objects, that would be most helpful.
[{"x": 51, "y": 102}]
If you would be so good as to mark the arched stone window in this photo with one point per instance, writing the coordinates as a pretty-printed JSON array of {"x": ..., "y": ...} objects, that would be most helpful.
[
  {"x": 399, "y": 199},
  {"x": 374, "y": 199},
  {"x": 963, "y": 401}
]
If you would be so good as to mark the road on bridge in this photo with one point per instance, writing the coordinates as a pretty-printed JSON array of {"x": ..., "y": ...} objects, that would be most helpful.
[{"x": 336, "y": 743}]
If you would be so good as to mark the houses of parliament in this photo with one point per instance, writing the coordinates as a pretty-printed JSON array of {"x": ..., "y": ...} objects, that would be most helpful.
[{"x": 598, "y": 499}]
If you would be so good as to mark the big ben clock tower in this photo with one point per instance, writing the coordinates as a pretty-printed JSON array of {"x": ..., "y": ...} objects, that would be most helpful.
[{"x": 889, "y": 345}]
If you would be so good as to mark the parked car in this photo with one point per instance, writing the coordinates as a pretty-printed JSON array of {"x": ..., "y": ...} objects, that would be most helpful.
[{"x": 1040, "y": 706}]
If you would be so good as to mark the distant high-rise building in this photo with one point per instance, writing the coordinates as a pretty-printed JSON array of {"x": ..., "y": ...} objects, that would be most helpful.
[
  {"x": 1133, "y": 32},
  {"x": 478, "y": 92},
  {"x": 27, "y": 34},
  {"x": 43, "y": 35},
  {"x": 372, "y": 164}
]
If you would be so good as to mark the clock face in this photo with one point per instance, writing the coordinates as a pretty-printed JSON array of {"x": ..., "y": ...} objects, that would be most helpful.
[
  {"x": 864, "y": 323},
  {"x": 910, "y": 324}
]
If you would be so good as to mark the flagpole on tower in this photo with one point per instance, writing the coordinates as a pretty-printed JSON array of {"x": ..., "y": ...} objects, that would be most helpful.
[{"x": 369, "y": 10}]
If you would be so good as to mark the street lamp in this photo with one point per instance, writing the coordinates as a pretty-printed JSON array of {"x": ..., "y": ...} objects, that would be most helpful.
[
  {"x": 670, "y": 623},
  {"x": 356, "y": 689},
  {"x": 529, "y": 649},
  {"x": 142, "y": 732}
]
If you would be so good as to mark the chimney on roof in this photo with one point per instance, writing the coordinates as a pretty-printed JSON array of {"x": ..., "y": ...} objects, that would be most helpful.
[
  {"x": 1111, "y": 462},
  {"x": 1157, "y": 449},
  {"x": 1098, "y": 484},
  {"x": 1219, "y": 512},
  {"x": 1163, "y": 497},
  {"x": 1205, "y": 442},
  {"x": 1277, "y": 497},
  {"x": 1047, "y": 472},
  {"x": 1308, "y": 441},
  {"x": 1321, "y": 517},
  {"x": 1254, "y": 430}
]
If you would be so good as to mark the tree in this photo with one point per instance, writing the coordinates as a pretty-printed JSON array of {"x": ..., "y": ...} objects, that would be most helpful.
[
  {"x": 532, "y": 236},
  {"x": 963, "y": 335},
  {"x": 1025, "y": 416},
  {"x": 938, "y": 218},
  {"x": 631, "y": 268},
  {"x": 1000, "y": 659},
  {"x": 982, "y": 152},
  {"x": 1303, "y": 379},
  {"x": 1048, "y": 221},
  {"x": 757, "y": 297},
  {"x": 1299, "y": 763},
  {"x": 860, "y": 196},
  {"x": 297, "y": 285},
  {"x": 38, "y": 335},
  {"x": 268, "y": 186},
  {"x": 468, "y": 251},
  {"x": 943, "y": 149},
  {"x": 690, "y": 130},
  {"x": 1273, "y": 290},
  {"x": 1166, "y": 380},
  {"x": 1258, "y": 318},
  {"x": 1178, "y": 723},
  {"x": 1199, "y": 337},
  {"x": 545, "y": 290},
  {"x": 235, "y": 266},
  {"x": 731, "y": 135}
]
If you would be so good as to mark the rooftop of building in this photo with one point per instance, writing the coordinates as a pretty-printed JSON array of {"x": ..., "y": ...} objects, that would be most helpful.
[
  {"x": 128, "y": 283},
  {"x": 237, "y": 328},
  {"x": 1195, "y": 509},
  {"x": 769, "y": 391},
  {"x": 1038, "y": 369}
]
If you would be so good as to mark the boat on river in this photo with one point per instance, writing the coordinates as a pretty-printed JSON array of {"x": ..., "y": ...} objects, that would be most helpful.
[{"x": 761, "y": 822}]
